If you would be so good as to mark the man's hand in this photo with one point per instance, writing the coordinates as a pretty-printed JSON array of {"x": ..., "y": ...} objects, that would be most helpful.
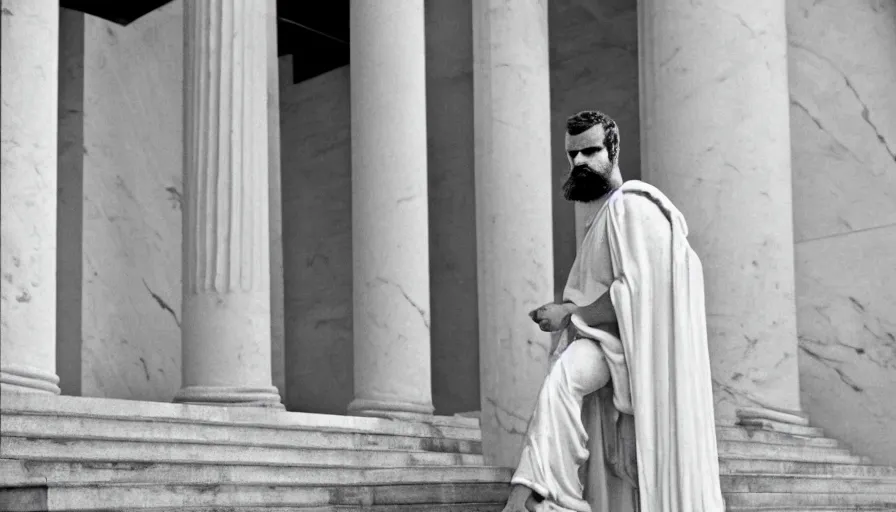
[{"x": 551, "y": 317}]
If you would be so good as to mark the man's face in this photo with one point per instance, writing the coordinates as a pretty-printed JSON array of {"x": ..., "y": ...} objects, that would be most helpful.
[{"x": 590, "y": 166}]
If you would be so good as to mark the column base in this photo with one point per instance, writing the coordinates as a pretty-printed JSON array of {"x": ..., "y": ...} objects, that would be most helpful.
[
  {"x": 391, "y": 409},
  {"x": 224, "y": 396},
  {"x": 28, "y": 379},
  {"x": 746, "y": 415}
]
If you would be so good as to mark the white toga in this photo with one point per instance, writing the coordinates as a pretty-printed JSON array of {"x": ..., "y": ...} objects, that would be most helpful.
[{"x": 654, "y": 428}]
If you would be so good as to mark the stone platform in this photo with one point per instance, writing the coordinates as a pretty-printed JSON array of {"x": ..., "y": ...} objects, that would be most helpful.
[{"x": 87, "y": 454}]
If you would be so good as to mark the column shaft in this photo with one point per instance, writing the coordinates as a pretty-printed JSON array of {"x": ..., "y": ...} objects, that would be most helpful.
[
  {"x": 29, "y": 117},
  {"x": 390, "y": 237},
  {"x": 715, "y": 136},
  {"x": 514, "y": 226},
  {"x": 278, "y": 340},
  {"x": 227, "y": 301}
]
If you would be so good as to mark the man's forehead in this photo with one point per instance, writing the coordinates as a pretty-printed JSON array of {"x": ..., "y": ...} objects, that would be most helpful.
[{"x": 591, "y": 137}]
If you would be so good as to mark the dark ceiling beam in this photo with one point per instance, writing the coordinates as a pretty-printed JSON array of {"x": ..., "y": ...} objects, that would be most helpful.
[
  {"x": 122, "y": 12},
  {"x": 315, "y": 33}
]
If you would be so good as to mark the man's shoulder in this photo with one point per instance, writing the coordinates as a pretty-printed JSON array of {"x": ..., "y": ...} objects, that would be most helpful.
[{"x": 644, "y": 200}]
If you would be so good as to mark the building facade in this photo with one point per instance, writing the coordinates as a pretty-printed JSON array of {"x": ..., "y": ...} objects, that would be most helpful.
[{"x": 368, "y": 241}]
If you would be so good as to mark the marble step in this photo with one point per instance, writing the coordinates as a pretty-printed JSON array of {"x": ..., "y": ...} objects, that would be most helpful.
[
  {"x": 732, "y": 443},
  {"x": 123, "y": 496},
  {"x": 74, "y": 449},
  {"x": 17, "y": 473},
  {"x": 223, "y": 433},
  {"x": 753, "y": 450},
  {"x": 770, "y": 437},
  {"x": 30, "y": 425},
  {"x": 852, "y": 508},
  {"x": 15, "y": 404},
  {"x": 783, "y": 428},
  {"x": 418, "y": 507},
  {"x": 801, "y": 468},
  {"x": 803, "y": 484},
  {"x": 795, "y": 501}
]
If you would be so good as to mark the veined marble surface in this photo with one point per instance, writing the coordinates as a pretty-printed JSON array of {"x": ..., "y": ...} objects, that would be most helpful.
[
  {"x": 842, "y": 67},
  {"x": 514, "y": 224},
  {"x": 842, "y": 58},
  {"x": 29, "y": 162},
  {"x": 847, "y": 334},
  {"x": 132, "y": 151},
  {"x": 714, "y": 103}
]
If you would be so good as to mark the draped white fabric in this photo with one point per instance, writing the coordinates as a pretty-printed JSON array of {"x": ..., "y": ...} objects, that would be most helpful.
[{"x": 637, "y": 246}]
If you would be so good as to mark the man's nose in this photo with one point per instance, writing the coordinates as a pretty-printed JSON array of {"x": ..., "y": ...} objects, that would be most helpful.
[{"x": 579, "y": 159}]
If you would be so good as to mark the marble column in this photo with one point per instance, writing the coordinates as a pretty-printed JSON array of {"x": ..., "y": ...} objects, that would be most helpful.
[
  {"x": 514, "y": 190},
  {"x": 390, "y": 238},
  {"x": 29, "y": 117},
  {"x": 226, "y": 289},
  {"x": 715, "y": 136},
  {"x": 278, "y": 335}
]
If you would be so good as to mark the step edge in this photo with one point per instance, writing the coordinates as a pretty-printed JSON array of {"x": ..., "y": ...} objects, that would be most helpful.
[
  {"x": 222, "y": 443},
  {"x": 790, "y": 476},
  {"x": 266, "y": 464},
  {"x": 206, "y": 442},
  {"x": 14, "y": 403},
  {"x": 391, "y": 429},
  {"x": 779, "y": 445},
  {"x": 146, "y": 485},
  {"x": 837, "y": 459},
  {"x": 220, "y": 462}
]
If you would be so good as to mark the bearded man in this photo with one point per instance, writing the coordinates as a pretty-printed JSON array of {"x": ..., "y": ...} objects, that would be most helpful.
[{"x": 638, "y": 361}]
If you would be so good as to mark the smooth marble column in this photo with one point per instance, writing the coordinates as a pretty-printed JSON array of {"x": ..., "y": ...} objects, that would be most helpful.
[
  {"x": 227, "y": 291},
  {"x": 715, "y": 137},
  {"x": 29, "y": 117},
  {"x": 514, "y": 190},
  {"x": 390, "y": 238},
  {"x": 278, "y": 335}
]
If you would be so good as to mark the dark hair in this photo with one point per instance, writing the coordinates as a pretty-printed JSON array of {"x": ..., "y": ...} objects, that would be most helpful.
[{"x": 586, "y": 119}]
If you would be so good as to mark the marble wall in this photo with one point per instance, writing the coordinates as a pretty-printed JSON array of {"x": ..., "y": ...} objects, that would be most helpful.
[
  {"x": 317, "y": 252},
  {"x": 70, "y": 205},
  {"x": 452, "y": 207},
  {"x": 842, "y": 57},
  {"x": 120, "y": 178}
]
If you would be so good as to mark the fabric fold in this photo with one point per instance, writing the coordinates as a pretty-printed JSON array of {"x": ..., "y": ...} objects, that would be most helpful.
[{"x": 658, "y": 296}]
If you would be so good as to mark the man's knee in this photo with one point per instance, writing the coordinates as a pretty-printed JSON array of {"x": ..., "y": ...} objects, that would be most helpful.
[{"x": 582, "y": 367}]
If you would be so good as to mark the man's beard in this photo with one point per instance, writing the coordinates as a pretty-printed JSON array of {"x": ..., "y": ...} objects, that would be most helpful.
[{"x": 585, "y": 185}]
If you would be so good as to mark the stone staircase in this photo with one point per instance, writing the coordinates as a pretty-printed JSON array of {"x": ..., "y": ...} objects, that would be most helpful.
[
  {"x": 64, "y": 453},
  {"x": 770, "y": 466},
  {"x": 84, "y": 454}
]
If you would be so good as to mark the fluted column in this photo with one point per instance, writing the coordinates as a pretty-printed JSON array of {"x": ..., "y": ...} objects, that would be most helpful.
[
  {"x": 29, "y": 117},
  {"x": 514, "y": 227},
  {"x": 715, "y": 136},
  {"x": 227, "y": 302},
  {"x": 390, "y": 238}
]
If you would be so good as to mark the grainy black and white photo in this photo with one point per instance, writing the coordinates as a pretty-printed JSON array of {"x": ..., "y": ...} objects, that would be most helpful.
[{"x": 448, "y": 256}]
